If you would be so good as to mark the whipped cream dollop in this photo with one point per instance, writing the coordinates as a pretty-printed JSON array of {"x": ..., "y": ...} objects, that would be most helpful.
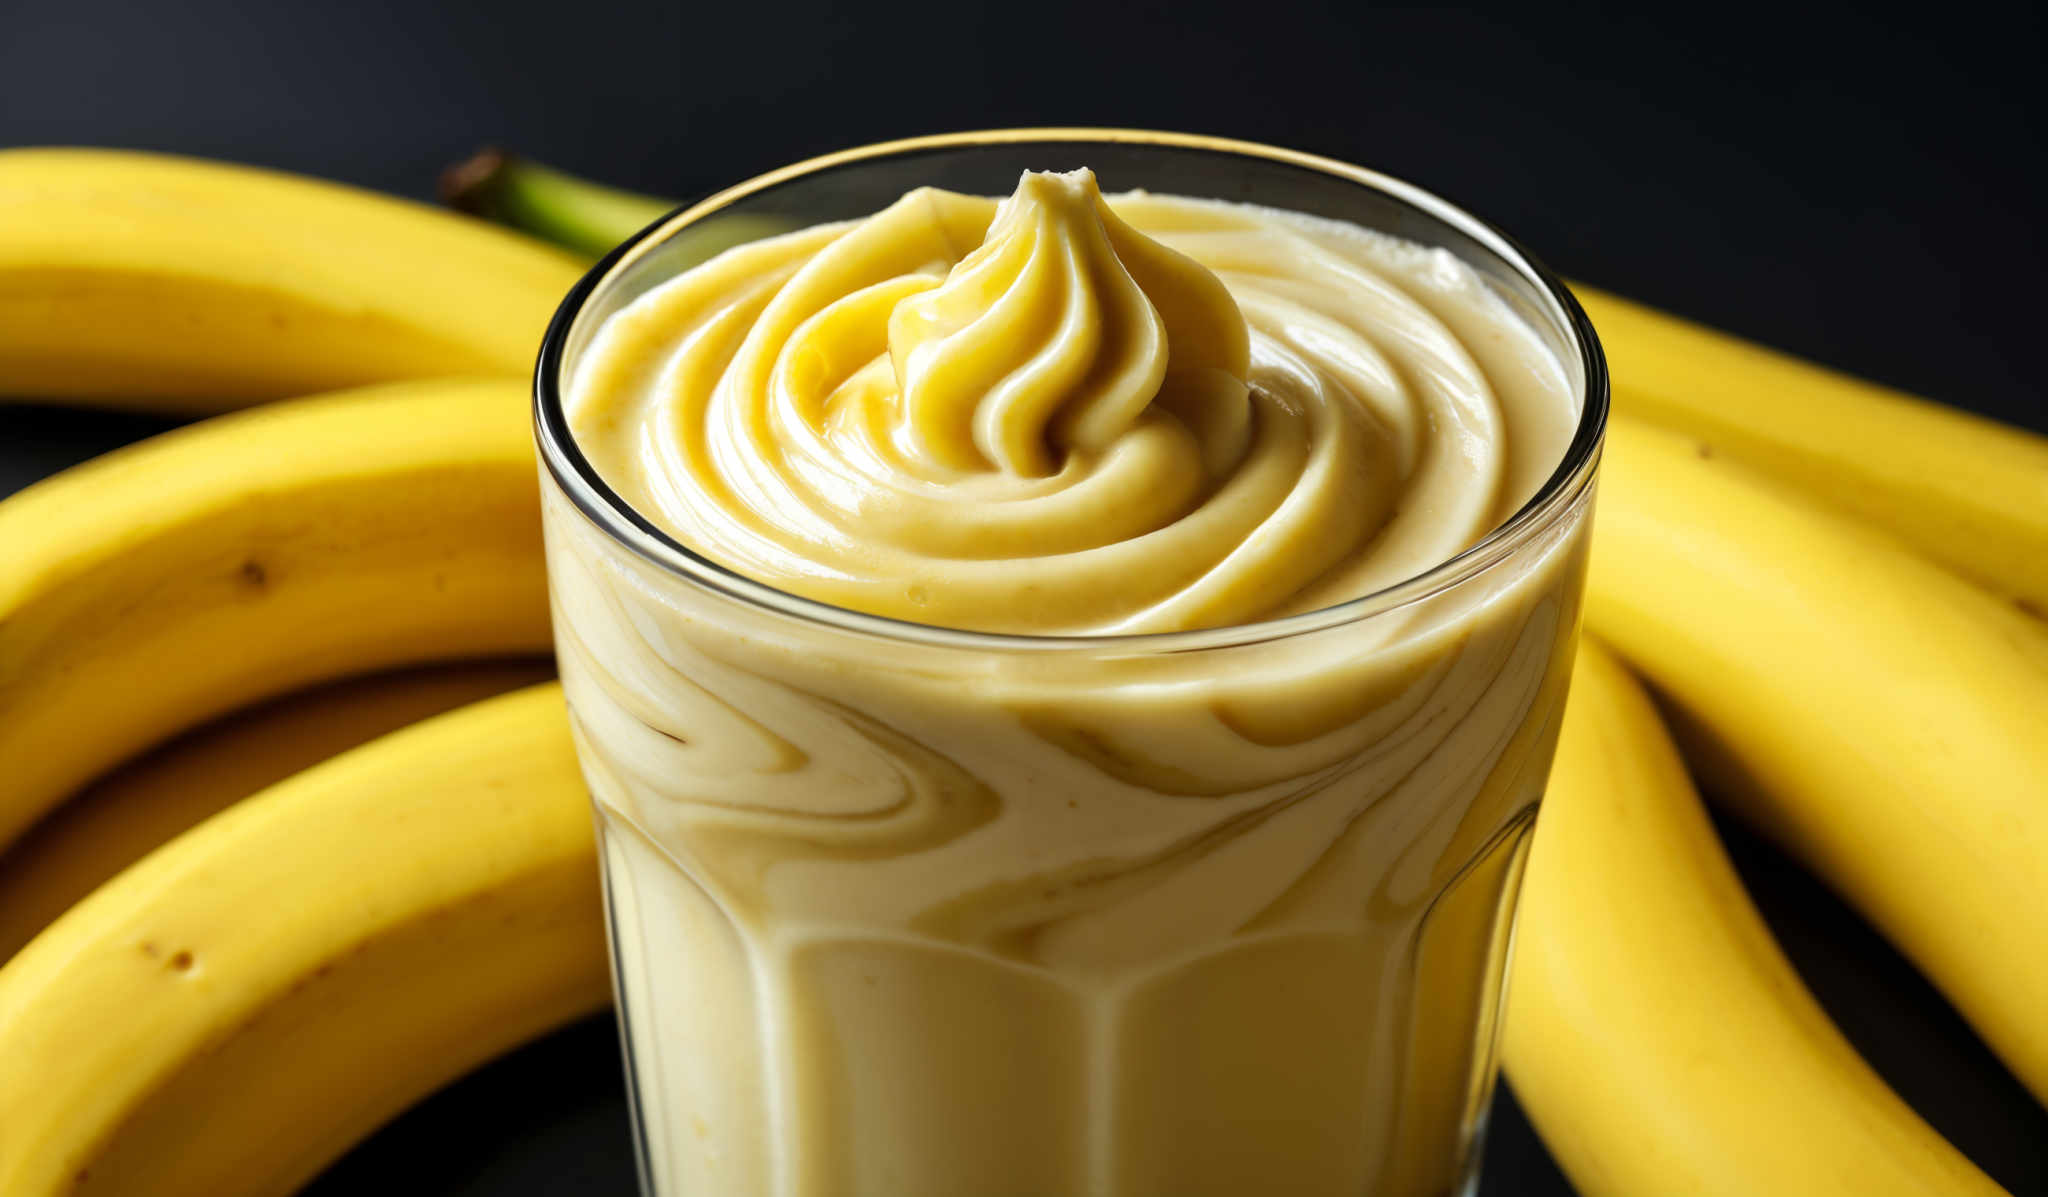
[{"x": 1066, "y": 413}]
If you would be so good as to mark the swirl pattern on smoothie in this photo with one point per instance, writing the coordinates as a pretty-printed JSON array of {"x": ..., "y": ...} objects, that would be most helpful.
[{"x": 1065, "y": 414}]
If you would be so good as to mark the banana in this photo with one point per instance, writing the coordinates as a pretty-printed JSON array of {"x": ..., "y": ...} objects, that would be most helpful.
[
  {"x": 126, "y": 815},
  {"x": 152, "y": 589},
  {"x": 178, "y": 285},
  {"x": 1657, "y": 1037},
  {"x": 1882, "y": 719},
  {"x": 232, "y": 1012},
  {"x": 1968, "y": 492}
]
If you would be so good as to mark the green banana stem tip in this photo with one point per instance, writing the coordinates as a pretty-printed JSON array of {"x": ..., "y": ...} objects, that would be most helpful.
[
  {"x": 578, "y": 215},
  {"x": 471, "y": 184},
  {"x": 585, "y": 217}
]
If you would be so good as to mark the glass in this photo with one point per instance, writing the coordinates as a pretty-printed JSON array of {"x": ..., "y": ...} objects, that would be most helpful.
[{"x": 907, "y": 910}]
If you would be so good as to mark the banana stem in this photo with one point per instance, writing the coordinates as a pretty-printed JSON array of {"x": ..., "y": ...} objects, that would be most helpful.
[{"x": 578, "y": 215}]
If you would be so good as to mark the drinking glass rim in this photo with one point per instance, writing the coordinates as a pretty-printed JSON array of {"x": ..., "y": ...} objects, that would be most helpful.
[{"x": 605, "y": 508}]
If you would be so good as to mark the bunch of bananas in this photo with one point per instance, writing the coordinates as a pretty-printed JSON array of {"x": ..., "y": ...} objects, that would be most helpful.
[{"x": 229, "y": 959}]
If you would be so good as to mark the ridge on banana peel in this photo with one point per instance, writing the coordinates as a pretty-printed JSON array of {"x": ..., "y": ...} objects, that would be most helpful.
[
  {"x": 237, "y": 1009},
  {"x": 1882, "y": 720},
  {"x": 1968, "y": 492},
  {"x": 124, "y": 816},
  {"x": 151, "y": 589},
  {"x": 1658, "y": 1038},
  {"x": 182, "y": 285}
]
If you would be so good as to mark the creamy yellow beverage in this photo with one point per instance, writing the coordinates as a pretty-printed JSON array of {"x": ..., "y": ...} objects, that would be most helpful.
[{"x": 916, "y": 913}]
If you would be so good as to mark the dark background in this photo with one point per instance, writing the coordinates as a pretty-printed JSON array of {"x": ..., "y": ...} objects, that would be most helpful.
[{"x": 1864, "y": 192}]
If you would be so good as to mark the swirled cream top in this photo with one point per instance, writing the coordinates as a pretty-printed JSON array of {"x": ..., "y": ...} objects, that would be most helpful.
[{"x": 1064, "y": 413}]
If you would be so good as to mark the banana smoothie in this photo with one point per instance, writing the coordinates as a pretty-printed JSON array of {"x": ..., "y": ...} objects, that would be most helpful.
[{"x": 1043, "y": 860}]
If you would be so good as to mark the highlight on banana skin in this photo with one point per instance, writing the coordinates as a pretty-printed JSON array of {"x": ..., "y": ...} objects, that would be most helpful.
[{"x": 419, "y": 731}]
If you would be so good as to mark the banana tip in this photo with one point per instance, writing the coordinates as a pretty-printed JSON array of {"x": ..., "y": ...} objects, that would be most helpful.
[{"x": 467, "y": 185}]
